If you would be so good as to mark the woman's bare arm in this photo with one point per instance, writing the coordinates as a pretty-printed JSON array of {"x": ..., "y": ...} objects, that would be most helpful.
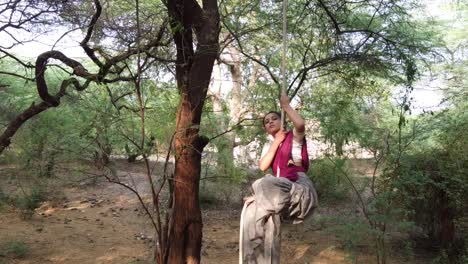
[
  {"x": 293, "y": 115},
  {"x": 265, "y": 161}
]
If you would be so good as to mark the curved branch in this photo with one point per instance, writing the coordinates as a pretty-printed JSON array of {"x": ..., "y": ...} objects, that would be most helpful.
[
  {"x": 112, "y": 62},
  {"x": 336, "y": 25},
  {"x": 34, "y": 109},
  {"x": 233, "y": 127},
  {"x": 241, "y": 49},
  {"x": 41, "y": 65},
  {"x": 302, "y": 74}
]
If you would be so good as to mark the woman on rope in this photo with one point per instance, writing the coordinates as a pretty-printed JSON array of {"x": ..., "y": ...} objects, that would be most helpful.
[{"x": 288, "y": 195}]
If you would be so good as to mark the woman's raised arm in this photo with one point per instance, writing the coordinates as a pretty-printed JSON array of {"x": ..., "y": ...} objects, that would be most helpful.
[{"x": 296, "y": 119}]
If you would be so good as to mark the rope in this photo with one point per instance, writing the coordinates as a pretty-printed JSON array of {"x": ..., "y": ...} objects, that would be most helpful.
[
  {"x": 283, "y": 59},
  {"x": 283, "y": 89},
  {"x": 283, "y": 62}
]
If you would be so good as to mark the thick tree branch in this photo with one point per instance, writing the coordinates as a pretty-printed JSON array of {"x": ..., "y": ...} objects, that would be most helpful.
[
  {"x": 41, "y": 64},
  {"x": 34, "y": 109},
  {"x": 13, "y": 126},
  {"x": 92, "y": 23}
]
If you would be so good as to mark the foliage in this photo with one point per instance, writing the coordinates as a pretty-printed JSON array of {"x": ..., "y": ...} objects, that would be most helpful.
[
  {"x": 16, "y": 249},
  {"x": 87, "y": 125},
  {"x": 437, "y": 171},
  {"x": 328, "y": 179},
  {"x": 344, "y": 63},
  {"x": 4, "y": 199},
  {"x": 353, "y": 233},
  {"x": 117, "y": 27},
  {"x": 30, "y": 200},
  {"x": 221, "y": 182}
]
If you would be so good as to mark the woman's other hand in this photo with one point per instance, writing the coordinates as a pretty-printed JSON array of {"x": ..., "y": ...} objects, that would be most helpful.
[{"x": 280, "y": 136}]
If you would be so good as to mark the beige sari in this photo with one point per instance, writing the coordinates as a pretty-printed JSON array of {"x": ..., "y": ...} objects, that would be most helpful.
[{"x": 276, "y": 200}]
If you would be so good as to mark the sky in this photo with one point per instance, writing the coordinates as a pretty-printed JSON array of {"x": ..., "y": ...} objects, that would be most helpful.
[
  {"x": 427, "y": 90},
  {"x": 69, "y": 44}
]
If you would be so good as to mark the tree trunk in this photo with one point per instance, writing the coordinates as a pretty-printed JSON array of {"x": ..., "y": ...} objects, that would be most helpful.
[
  {"x": 443, "y": 229},
  {"x": 223, "y": 144},
  {"x": 232, "y": 59},
  {"x": 193, "y": 73},
  {"x": 236, "y": 94},
  {"x": 215, "y": 90}
]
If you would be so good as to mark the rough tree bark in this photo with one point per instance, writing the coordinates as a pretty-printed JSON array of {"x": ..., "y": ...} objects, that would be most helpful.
[{"x": 193, "y": 72}]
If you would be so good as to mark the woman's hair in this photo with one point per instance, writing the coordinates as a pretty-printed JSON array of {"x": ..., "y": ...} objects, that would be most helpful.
[{"x": 271, "y": 112}]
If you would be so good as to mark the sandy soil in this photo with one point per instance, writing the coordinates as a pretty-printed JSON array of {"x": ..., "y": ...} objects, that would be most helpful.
[{"x": 103, "y": 223}]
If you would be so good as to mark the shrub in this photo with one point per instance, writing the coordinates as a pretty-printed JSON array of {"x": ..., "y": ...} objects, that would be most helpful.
[
  {"x": 30, "y": 201},
  {"x": 3, "y": 198},
  {"x": 328, "y": 179},
  {"x": 207, "y": 198},
  {"x": 16, "y": 249},
  {"x": 432, "y": 175},
  {"x": 353, "y": 233}
]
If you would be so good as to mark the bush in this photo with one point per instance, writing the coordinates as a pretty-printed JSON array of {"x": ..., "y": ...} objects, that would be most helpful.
[
  {"x": 16, "y": 249},
  {"x": 328, "y": 179},
  {"x": 215, "y": 193},
  {"x": 432, "y": 175},
  {"x": 353, "y": 233},
  {"x": 30, "y": 201},
  {"x": 3, "y": 198},
  {"x": 208, "y": 198}
]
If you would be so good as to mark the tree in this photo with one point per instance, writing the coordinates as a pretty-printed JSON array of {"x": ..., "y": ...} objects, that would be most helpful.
[
  {"x": 191, "y": 24},
  {"x": 341, "y": 40},
  {"x": 193, "y": 73}
]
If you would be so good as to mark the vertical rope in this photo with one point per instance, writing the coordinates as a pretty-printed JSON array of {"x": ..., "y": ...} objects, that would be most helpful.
[
  {"x": 283, "y": 62},
  {"x": 283, "y": 59},
  {"x": 283, "y": 89}
]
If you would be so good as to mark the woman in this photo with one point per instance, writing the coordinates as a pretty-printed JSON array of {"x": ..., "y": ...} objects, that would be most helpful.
[
  {"x": 296, "y": 157},
  {"x": 289, "y": 195}
]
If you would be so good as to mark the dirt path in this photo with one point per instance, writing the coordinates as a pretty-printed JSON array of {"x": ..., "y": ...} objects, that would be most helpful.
[
  {"x": 104, "y": 223},
  {"x": 94, "y": 228}
]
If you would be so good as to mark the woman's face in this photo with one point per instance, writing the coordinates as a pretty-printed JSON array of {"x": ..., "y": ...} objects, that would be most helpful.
[{"x": 272, "y": 123}]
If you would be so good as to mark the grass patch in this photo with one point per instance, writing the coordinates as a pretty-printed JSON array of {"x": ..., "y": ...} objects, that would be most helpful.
[
  {"x": 3, "y": 199},
  {"x": 15, "y": 249},
  {"x": 31, "y": 200}
]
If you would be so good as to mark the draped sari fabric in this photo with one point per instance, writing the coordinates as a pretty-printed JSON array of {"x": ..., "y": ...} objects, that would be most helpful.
[
  {"x": 284, "y": 155},
  {"x": 276, "y": 199}
]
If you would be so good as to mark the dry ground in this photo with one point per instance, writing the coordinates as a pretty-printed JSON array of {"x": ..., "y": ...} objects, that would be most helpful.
[{"x": 103, "y": 223}]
